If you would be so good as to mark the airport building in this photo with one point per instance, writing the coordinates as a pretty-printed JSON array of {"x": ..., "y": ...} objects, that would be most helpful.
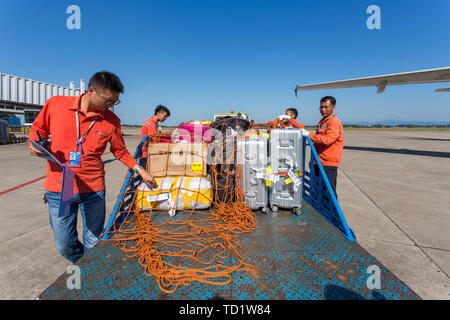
[{"x": 24, "y": 96}]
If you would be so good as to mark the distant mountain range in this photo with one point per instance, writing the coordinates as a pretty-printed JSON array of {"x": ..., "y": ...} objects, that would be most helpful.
[{"x": 399, "y": 123}]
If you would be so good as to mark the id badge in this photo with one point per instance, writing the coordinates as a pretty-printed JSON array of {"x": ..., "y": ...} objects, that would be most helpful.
[{"x": 74, "y": 159}]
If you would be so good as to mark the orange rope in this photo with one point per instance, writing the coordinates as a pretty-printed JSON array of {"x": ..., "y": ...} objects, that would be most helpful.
[
  {"x": 194, "y": 245},
  {"x": 279, "y": 124}
]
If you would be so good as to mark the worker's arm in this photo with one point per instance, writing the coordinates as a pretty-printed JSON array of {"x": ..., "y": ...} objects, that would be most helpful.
[
  {"x": 42, "y": 125},
  {"x": 296, "y": 124},
  {"x": 146, "y": 176},
  {"x": 120, "y": 151},
  {"x": 144, "y": 131},
  {"x": 331, "y": 134},
  {"x": 148, "y": 128}
]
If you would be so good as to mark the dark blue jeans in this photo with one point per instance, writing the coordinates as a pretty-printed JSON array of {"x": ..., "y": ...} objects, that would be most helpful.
[
  {"x": 331, "y": 173},
  {"x": 92, "y": 208}
]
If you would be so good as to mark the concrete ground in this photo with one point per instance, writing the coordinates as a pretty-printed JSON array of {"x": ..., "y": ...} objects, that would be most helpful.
[
  {"x": 393, "y": 187},
  {"x": 394, "y": 190}
]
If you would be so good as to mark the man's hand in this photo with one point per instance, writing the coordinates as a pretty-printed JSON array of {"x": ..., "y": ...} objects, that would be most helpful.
[
  {"x": 305, "y": 132},
  {"x": 35, "y": 152},
  {"x": 284, "y": 117},
  {"x": 146, "y": 176}
]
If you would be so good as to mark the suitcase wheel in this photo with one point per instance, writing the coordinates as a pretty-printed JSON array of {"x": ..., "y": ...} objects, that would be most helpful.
[
  {"x": 274, "y": 208},
  {"x": 264, "y": 210},
  {"x": 296, "y": 211}
]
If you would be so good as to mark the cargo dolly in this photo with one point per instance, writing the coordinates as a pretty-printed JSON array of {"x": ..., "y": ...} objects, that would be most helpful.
[{"x": 312, "y": 255}]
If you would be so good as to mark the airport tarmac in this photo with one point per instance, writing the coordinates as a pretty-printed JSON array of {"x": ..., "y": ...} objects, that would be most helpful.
[{"x": 393, "y": 188}]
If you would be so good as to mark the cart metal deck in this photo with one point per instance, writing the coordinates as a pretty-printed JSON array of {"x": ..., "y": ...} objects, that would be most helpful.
[{"x": 312, "y": 256}]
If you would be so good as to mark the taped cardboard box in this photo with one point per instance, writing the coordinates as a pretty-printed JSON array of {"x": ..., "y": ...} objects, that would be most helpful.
[
  {"x": 176, "y": 193},
  {"x": 177, "y": 159}
]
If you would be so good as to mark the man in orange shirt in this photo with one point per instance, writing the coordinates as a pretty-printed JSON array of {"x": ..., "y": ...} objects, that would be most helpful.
[
  {"x": 80, "y": 128},
  {"x": 328, "y": 140},
  {"x": 150, "y": 126}
]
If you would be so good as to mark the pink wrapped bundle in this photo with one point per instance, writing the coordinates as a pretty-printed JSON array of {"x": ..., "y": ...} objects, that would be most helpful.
[{"x": 194, "y": 132}]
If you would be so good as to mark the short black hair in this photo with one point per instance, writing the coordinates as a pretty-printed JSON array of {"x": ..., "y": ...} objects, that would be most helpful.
[
  {"x": 105, "y": 80},
  {"x": 294, "y": 111},
  {"x": 329, "y": 98},
  {"x": 160, "y": 107}
]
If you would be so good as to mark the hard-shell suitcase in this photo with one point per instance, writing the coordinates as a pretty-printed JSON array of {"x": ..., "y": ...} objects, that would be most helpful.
[
  {"x": 251, "y": 159},
  {"x": 286, "y": 161}
]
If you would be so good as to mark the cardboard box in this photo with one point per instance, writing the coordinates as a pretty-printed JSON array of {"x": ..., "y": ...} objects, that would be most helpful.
[{"x": 177, "y": 159}]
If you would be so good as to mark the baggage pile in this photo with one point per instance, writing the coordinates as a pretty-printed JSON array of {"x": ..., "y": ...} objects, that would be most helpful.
[
  {"x": 12, "y": 134},
  {"x": 210, "y": 179}
]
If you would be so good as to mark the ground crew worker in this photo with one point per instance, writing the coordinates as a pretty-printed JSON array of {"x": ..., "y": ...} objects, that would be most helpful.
[
  {"x": 328, "y": 140},
  {"x": 150, "y": 126},
  {"x": 80, "y": 128},
  {"x": 290, "y": 116}
]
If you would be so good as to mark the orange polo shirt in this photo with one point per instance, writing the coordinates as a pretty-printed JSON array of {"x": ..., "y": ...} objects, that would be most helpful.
[
  {"x": 150, "y": 127},
  {"x": 294, "y": 123},
  {"x": 329, "y": 141},
  {"x": 57, "y": 118}
]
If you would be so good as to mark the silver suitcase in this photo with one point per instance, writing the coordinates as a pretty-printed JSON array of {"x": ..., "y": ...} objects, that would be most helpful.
[
  {"x": 251, "y": 160},
  {"x": 286, "y": 162}
]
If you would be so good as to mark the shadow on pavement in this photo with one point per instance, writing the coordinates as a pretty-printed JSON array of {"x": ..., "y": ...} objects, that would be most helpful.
[{"x": 402, "y": 151}]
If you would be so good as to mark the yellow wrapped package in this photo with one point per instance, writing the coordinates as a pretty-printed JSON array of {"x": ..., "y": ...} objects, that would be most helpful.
[
  {"x": 176, "y": 192},
  {"x": 207, "y": 122}
]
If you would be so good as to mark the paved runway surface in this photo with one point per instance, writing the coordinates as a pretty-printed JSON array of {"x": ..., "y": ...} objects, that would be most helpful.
[{"x": 393, "y": 187}]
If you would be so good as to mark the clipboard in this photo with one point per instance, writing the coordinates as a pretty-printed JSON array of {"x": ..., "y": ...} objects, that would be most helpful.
[{"x": 68, "y": 176}]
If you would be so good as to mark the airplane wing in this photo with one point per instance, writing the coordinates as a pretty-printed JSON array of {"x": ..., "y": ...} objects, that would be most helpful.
[{"x": 413, "y": 77}]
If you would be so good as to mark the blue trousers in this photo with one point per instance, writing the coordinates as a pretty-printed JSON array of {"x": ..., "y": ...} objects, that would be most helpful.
[
  {"x": 331, "y": 173},
  {"x": 92, "y": 208}
]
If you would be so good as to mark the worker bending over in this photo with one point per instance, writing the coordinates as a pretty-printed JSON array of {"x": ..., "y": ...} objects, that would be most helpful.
[
  {"x": 328, "y": 140},
  {"x": 290, "y": 117},
  {"x": 150, "y": 126}
]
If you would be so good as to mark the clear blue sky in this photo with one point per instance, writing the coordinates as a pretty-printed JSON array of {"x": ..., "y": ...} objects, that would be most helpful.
[{"x": 203, "y": 56}]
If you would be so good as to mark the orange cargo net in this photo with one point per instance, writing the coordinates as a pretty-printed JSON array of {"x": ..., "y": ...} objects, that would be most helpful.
[{"x": 193, "y": 245}]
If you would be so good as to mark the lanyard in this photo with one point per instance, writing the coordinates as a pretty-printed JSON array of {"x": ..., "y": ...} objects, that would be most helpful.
[
  {"x": 78, "y": 132},
  {"x": 321, "y": 124}
]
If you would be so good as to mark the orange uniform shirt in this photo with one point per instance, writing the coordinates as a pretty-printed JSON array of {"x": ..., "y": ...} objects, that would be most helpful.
[
  {"x": 329, "y": 141},
  {"x": 294, "y": 123},
  {"x": 150, "y": 127},
  {"x": 57, "y": 118}
]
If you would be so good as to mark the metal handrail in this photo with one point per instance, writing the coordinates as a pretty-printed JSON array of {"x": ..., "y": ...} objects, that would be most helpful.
[
  {"x": 119, "y": 202},
  {"x": 318, "y": 197}
]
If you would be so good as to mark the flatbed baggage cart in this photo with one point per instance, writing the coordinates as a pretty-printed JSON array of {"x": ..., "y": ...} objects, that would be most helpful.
[{"x": 313, "y": 255}]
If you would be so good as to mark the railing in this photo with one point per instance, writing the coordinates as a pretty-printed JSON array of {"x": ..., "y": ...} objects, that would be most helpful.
[
  {"x": 125, "y": 198},
  {"x": 318, "y": 193}
]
